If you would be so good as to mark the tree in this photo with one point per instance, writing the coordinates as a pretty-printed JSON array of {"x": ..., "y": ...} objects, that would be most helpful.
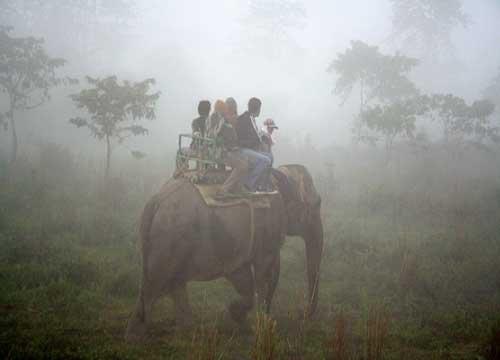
[
  {"x": 379, "y": 77},
  {"x": 270, "y": 23},
  {"x": 27, "y": 74},
  {"x": 114, "y": 110},
  {"x": 463, "y": 124},
  {"x": 393, "y": 120},
  {"x": 383, "y": 84},
  {"x": 492, "y": 93},
  {"x": 426, "y": 25},
  {"x": 84, "y": 21}
]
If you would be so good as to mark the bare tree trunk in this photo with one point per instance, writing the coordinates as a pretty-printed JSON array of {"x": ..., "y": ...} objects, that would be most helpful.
[
  {"x": 13, "y": 154},
  {"x": 108, "y": 156},
  {"x": 362, "y": 96},
  {"x": 358, "y": 124}
]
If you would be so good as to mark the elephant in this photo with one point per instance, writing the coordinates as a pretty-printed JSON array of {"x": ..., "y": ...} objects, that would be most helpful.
[{"x": 184, "y": 240}]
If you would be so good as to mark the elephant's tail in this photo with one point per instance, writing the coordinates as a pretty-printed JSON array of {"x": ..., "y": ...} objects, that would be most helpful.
[
  {"x": 145, "y": 224},
  {"x": 147, "y": 217},
  {"x": 148, "y": 214}
]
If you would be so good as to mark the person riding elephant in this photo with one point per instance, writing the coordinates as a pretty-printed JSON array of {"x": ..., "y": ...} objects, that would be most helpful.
[
  {"x": 198, "y": 124},
  {"x": 215, "y": 121},
  {"x": 231, "y": 111},
  {"x": 267, "y": 140},
  {"x": 250, "y": 142},
  {"x": 183, "y": 239},
  {"x": 225, "y": 137}
]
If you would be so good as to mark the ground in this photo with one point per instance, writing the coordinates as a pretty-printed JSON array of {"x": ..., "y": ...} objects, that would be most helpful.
[{"x": 403, "y": 277}]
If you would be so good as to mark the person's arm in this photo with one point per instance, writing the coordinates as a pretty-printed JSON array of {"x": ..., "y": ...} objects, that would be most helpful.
[{"x": 256, "y": 136}]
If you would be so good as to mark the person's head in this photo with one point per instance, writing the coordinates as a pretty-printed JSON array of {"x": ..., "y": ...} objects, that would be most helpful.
[
  {"x": 254, "y": 105},
  {"x": 220, "y": 107},
  {"x": 232, "y": 106},
  {"x": 270, "y": 125},
  {"x": 204, "y": 107}
]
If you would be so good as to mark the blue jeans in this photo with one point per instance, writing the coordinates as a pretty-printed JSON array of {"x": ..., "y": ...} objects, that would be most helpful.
[{"x": 259, "y": 163}]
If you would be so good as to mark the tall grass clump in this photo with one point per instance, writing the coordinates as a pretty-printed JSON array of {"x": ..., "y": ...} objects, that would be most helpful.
[
  {"x": 377, "y": 329},
  {"x": 493, "y": 344},
  {"x": 266, "y": 342},
  {"x": 338, "y": 344},
  {"x": 206, "y": 344}
]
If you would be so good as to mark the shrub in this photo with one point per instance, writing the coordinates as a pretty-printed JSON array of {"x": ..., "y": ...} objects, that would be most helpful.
[
  {"x": 124, "y": 283},
  {"x": 266, "y": 342},
  {"x": 338, "y": 345},
  {"x": 377, "y": 327},
  {"x": 493, "y": 344},
  {"x": 205, "y": 344}
]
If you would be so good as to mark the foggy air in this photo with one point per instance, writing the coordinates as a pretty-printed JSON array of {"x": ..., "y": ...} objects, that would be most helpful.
[{"x": 261, "y": 179}]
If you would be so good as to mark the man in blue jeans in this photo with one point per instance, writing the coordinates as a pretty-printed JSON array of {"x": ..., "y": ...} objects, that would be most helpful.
[{"x": 249, "y": 142}]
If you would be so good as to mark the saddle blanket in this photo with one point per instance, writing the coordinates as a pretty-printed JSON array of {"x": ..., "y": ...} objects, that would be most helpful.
[{"x": 255, "y": 200}]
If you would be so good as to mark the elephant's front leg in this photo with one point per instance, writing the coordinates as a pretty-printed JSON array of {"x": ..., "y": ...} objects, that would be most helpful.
[
  {"x": 183, "y": 311},
  {"x": 242, "y": 280},
  {"x": 266, "y": 272},
  {"x": 272, "y": 283}
]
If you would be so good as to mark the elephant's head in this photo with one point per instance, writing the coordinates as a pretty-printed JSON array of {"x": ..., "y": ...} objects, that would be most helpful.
[{"x": 303, "y": 205}]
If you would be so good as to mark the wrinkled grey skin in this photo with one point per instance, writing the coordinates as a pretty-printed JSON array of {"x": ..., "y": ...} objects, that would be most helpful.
[{"x": 184, "y": 240}]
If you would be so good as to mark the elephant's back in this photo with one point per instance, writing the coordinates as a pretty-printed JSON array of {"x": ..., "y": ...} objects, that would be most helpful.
[{"x": 177, "y": 203}]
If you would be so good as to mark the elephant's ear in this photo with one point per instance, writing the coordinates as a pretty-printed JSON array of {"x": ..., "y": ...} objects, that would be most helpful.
[
  {"x": 286, "y": 185},
  {"x": 303, "y": 188}
]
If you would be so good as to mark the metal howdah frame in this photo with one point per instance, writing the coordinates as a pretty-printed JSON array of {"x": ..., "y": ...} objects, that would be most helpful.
[{"x": 201, "y": 150}]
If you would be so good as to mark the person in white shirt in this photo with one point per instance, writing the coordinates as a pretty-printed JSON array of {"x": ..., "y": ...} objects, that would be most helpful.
[{"x": 266, "y": 135}]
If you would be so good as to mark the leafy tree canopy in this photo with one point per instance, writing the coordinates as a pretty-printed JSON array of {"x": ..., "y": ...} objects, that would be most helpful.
[
  {"x": 27, "y": 73},
  {"x": 277, "y": 16},
  {"x": 462, "y": 122},
  {"x": 83, "y": 21},
  {"x": 492, "y": 92},
  {"x": 381, "y": 77},
  {"x": 269, "y": 23},
  {"x": 36, "y": 11},
  {"x": 114, "y": 109},
  {"x": 393, "y": 120},
  {"x": 426, "y": 24}
]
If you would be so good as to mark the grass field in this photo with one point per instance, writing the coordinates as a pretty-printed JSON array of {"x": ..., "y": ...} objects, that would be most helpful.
[{"x": 411, "y": 270}]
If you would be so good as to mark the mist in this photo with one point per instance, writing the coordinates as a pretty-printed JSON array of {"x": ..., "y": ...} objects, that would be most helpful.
[
  {"x": 392, "y": 107},
  {"x": 198, "y": 50}
]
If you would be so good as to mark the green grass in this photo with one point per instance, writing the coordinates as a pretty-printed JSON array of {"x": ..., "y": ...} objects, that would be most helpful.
[{"x": 70, "y": 271}]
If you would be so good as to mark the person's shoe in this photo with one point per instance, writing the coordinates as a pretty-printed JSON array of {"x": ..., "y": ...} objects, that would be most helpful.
[
  {"x": 265, "y": 189},
  {"x": 221, "y": 194}
]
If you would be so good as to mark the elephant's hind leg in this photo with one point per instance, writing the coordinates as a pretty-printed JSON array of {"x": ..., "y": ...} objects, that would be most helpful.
[
  {"x": 155, "y": 284},
  {"x": 242, "y": 280},
  {"x": 138, "y": 323}
]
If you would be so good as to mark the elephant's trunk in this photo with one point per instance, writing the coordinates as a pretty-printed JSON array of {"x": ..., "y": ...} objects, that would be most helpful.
[{"x": 313, "y": 238}]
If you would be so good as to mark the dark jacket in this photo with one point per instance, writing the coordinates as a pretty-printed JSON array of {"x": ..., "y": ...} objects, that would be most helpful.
[
  {"x": 199, "y": 125},
  {"x": 247, "y": 133}
]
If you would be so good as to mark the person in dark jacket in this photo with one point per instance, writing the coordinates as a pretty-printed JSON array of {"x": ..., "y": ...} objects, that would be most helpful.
[
  {"x": 199, "y": 124},
  {"x": 250, "y": 142}
]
